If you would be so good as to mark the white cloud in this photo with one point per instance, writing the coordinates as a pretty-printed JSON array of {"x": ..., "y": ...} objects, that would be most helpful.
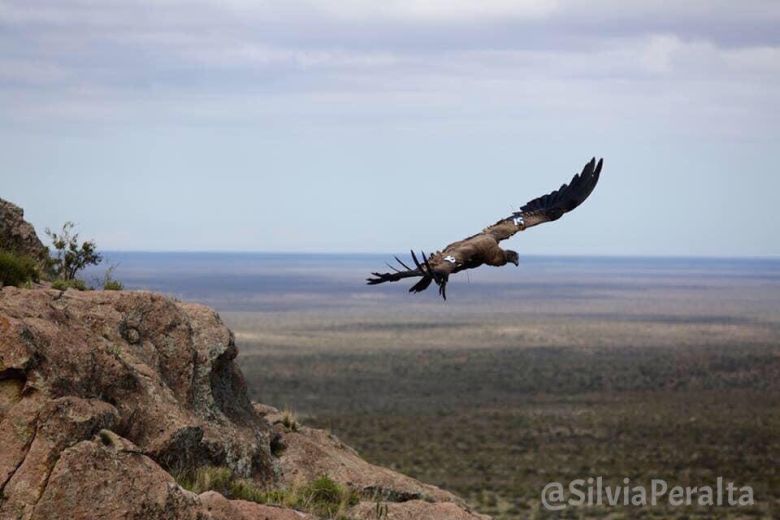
[
  {"x": 236, "y": 60},
  {"x": 436, "y": 10}
]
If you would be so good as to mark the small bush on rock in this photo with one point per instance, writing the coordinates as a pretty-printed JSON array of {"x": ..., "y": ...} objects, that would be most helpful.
[
  {"x": 322, "y": 497},
  {"x": 113, "y": 285},
  {"x": 289, "y": 420},
  {"x": 17, "y": 269},
  {"x": 70, "y": 256},
  {"x": 110, "y": 283},
  {"x": 62, "y": 285}
]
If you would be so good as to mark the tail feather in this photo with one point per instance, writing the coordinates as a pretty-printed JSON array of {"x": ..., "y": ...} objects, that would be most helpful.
[
  {"x": 421, "y": 285},
  {"x": 377, "y": 278},
  {"x": 423, "y": 270},
  {"x": 396, "y": 275}
]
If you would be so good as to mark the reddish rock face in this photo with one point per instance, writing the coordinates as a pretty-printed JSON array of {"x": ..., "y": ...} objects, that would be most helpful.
[
  {"x": 104, "y": 394},
  {"x": 156, "y": 372},
  {"x": 18, "y": 235},
  {"x": 172, "y": 381}
]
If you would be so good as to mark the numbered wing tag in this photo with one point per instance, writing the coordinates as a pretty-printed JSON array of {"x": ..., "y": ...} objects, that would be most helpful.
[{"x": 451, "y": 259}]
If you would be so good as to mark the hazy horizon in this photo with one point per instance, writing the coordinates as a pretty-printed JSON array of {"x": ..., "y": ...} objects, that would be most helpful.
[
  {"x": 330, "y": 281},
  {"x": 390, "y": 254}
]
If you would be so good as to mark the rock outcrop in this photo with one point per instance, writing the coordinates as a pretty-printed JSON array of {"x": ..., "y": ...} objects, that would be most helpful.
[
  {"x": 17, "y": 235},
  {"x": 105, "y": 395}
]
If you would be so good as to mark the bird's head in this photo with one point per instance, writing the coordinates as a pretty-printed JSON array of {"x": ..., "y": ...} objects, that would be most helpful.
[{"x": 512, "y": 256}]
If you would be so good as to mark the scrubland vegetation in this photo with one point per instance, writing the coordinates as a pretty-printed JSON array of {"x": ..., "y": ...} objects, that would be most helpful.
[
  {"x": 17, "y": 269},
  {"x": 565, "y": 368},
  {"x": 681, "y": 389}
]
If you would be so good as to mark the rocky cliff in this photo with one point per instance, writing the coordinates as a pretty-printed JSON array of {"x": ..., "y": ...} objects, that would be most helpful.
[
  {"x": 17, "y": 235},
  {"x": 106, "y": 397}
]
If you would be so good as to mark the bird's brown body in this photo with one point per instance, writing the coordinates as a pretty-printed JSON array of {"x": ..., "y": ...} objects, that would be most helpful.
[
  {"x": 474, "y": 251},
  {"x": 483, "y": 248}
]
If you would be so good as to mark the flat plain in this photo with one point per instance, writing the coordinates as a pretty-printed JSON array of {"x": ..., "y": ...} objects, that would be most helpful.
[{"x": 561, "y": 369}]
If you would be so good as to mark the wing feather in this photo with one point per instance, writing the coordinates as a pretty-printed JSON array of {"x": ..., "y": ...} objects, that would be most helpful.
[{"x": 553, "y": 205}]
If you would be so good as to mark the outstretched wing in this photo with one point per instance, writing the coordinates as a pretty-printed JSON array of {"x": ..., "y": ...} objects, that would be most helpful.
[{"x": 551, "y": 206}]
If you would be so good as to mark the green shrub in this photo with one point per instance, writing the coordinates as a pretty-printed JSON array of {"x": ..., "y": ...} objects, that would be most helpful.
[
  {"x": 17, "y": 269},
  {"x": 113, "y": 285},
  {"x": 70, "y": 257},
  {"x": 289, "y": 421},
  {"x": 62, "y": 285},
  {"x": 108, "y": 281},
  {"x": 221, "y": 480},
  {"x": 216, "y": 478},
  {"x": 322, "y": 497},
  {"x": 245, "y": 489}
]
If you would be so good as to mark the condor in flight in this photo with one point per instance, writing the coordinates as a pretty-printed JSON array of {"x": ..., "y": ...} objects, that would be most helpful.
[{"x": 482, "y": 248}]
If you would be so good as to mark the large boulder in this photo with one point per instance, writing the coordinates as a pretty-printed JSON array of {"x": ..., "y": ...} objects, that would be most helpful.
[
  {"x": 105, "y": 395},
  {"x": 119, "y": 481},
  {"x": 18, "y": 235},
  {"x": 156, "y": 372}
]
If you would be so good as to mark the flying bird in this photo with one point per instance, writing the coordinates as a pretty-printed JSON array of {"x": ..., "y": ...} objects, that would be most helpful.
[{"x": 482, "y": 248}]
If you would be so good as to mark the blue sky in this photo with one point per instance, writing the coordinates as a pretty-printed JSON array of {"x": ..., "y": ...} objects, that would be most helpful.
[{"x": 342, "y": 126}]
